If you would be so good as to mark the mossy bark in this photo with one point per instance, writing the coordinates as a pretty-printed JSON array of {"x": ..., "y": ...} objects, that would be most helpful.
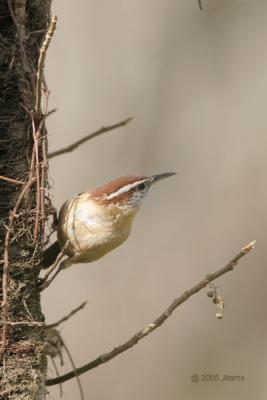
[{"x": 23, "y": 363}]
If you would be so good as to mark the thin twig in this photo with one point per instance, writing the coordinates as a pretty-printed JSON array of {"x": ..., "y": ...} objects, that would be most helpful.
[
  {"x": 74, "y": 145},
  {"x": 157, "y": 323},
  {"x": 38, "y": 31},
  {"x": 200, "y": 5},
  {"x": 44, "y": 164},
  {"x": 25, "y": 108},
  {"x": 36, "y": 136},
  {"x": 39, "y": 182},
  {"x": 74, "y": 368},
  {"x": 5, "y": 280},
  {"x": 11, "y": 180},
  {"x": 23, "y": 323},
  {"x": 43, "y": 179},
  {"x": 5, "y": 306},
  {"x": 45, "y": 116},
  {"x": 39, "y": 323},
  {"x": 41, "y": 62},
  {"x": 28, "y": 311},
  {"x": 19, "y": 22},
  {"x": 57, "y": 374},
  {"x": 80, "y": 307},
  {"x": 50, "y": 112}
]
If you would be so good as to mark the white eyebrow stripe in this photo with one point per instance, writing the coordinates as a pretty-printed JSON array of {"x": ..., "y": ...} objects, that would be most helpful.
[{"x": 124, "y": 189}]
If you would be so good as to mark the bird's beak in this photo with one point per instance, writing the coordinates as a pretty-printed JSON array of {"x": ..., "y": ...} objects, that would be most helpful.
[{"x": 158, "y": 177}]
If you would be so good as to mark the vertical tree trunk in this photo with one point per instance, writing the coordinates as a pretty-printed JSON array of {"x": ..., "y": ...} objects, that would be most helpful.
[{"x": 23, "y": 360}]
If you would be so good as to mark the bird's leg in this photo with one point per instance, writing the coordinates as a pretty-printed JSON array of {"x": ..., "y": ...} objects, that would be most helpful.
[{"x": 45, "y": 282}]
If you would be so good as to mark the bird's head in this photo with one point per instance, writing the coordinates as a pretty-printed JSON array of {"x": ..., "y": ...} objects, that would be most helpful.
[{"x": 127, "y": 192}]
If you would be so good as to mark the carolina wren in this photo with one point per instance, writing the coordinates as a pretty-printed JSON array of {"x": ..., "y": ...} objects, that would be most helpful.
[{"x": 97, "y": 221}]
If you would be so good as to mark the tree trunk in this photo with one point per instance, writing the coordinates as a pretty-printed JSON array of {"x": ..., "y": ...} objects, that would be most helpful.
[{"x": 23, "y": 353}]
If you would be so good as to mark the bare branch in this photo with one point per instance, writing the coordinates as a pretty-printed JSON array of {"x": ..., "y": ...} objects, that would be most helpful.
[
  {"x": 200, "y": 5},
  {"x": 157, "y": 323},
  {"x": 41, "y": 62},
  {"x": 74, "y": 145},
  {"x": 73, "y": 312}
]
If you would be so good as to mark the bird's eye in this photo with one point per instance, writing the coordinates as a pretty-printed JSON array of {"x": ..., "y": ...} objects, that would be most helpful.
[{"x": 141, "y": 186}]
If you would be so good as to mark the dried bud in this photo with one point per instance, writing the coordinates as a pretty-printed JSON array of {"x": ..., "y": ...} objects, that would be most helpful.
[
  {"x": 210, "y": 293},
  {"x": 218, "y": 299}
]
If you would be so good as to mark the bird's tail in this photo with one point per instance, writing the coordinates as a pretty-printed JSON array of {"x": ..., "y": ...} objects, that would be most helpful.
[{"x": 50, "y": 254}]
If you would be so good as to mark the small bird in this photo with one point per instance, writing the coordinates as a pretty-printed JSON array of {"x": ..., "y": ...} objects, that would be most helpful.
[{"x": 97, "y": 221}]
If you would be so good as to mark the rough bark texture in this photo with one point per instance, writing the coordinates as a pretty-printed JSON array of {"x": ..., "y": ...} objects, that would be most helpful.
[{"x": 23, "y": 361}]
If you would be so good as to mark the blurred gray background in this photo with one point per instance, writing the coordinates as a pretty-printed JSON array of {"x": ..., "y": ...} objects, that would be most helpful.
[{"x": 196, "y": 84}]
